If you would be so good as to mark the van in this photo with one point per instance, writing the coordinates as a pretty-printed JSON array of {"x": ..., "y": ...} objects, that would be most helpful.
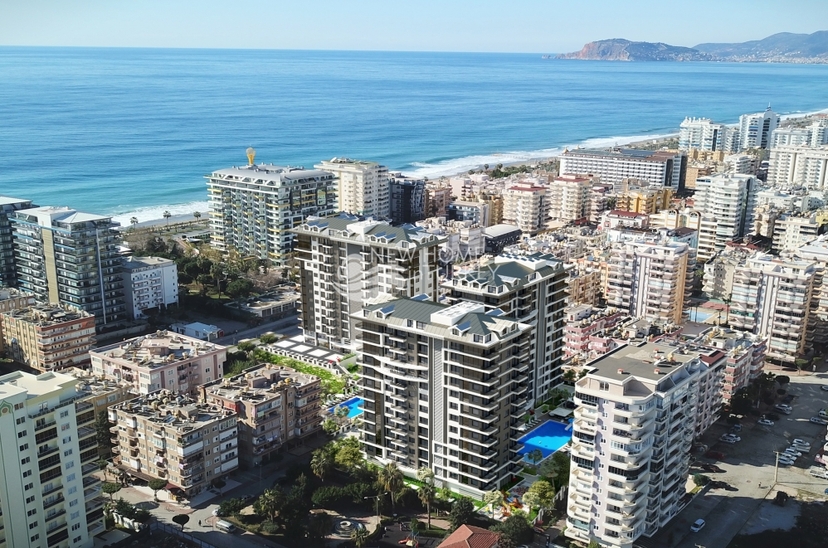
[{"x": 225, "y": 526}]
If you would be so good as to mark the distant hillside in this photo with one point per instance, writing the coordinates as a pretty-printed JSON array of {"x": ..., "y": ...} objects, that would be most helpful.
[
  {"x": 784, "y": 47},
  {"x": 618, "y": 49},
  {"x": 778, "y": 47}
]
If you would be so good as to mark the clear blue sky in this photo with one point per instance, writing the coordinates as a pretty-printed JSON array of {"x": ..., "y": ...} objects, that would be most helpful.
[{"x": 551, "y": 26}]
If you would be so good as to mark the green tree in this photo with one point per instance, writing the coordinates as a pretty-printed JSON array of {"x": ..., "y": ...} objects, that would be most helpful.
[
  {"x": 341, "y": 412},
  {"x": 541, "y": 494},
  {"x": 240, "y": 288},
  {"x": 348, "y": 454},
  {"x": 247, "y": 347},
  {"x": 390, "y": 479},
  {"x": 330, "y": 426},
  {"x": 156, "y": 484},
  {"x": 181, "y": 519},
  {"x": 102, "y": 433},
  {"x": 360, "y": 536},
  {"x": 319, "y": 526},
  {"x": 268, "y": 338},
  {"x": 494, "y": 498},
  {"x": 103, "y": 466},
  {"x": 269, "y": 504},
  {"x": 415, "y": 525},
  {"x": 461, "y": 512},
  {"x": 219, "y": 484},
  {"x": 426, "y": 495},
  {"x": 133, "y": 221},
  {"x": 700, "y": 480},
  {"x": 196, "y": 215},
  {"x": 167, "y": 216},
  {"x": 516, "y": 528},
  {"x": 110, "y": 489},
  {"x": 322, "y": 461}
]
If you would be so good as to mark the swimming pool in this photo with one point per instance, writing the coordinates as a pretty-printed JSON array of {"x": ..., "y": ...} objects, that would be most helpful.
[
  {"x": 548, "y": 437},
  {"x": 355, "y": 407},
  {"x": 698, "y": 316}
]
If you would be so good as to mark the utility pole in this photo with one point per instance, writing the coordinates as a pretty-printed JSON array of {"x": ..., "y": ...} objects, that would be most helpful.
[
  {"x": 376, "y": 504},
  {"x": 776, "y": 469}
]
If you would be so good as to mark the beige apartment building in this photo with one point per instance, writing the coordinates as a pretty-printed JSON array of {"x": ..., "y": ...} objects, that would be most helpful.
[
  {"x": 161, "y": 360},
  {"x": 11, "y": 298},
  {"x": 277, "y": 406},
  {"x": 642, "y": 199},
  {"x": 363, "y": 187},
  {"x": 48, "y": 337},
  {"x": 526, "y": 206},
  {"x": 172, "y": 437},
  {"x": 569, "y": 198}
]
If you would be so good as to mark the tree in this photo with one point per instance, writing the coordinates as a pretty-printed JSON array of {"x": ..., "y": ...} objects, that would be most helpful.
[
  {"x": 102, "y": 433},
  {"x": 541, "y": 494},
  {"x": 196, "y": 215},
  {"x": 461, "y": 512},
  {"x": 341, "y": 412},
  {"x": 322, "y": 462},
  {"x": 319, "y": 525},
  {"x": 535, "y": 455},
  {"x": 156, "y": 484},
  {"x": 239, "y": 288},
  {"x": 219, "y": 484},
  {"x": 390, "y": 479},
  {"x": 516, "y": 528},
  {"x": 167, "y": 216},
  {"x": 426, "y": 495},
  {"x": 700, "y": 480},
  {"x": 415, "y": 525},
  {"x": 360, "y": 536},
  {"x": 494, "y": 498},
  {"x": 348, "y": 454},
  {"x": 247, "y": 347},
  {"x": 103, "y": 465},
  {"x": 268, "y": 338},
  {"x": 110, "y": 489},
  {"x": 269, "y": 504},
  {"x": 181, "y": 519},
  {"x": 783, "y": 379},
  {"x": 329, "y": 426},
  {"x": 133, "y": 221}
]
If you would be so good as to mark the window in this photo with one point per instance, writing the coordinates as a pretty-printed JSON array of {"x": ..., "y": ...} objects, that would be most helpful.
[
  {"x": 70, "y": 464},
  {"x": 73, "y": 503},
  {"x": 603, "y": 385},
  {"x": 30, "y": 500},
  {"x": 64, "y": 413},
  {"x": 18, "y": 406},
  {"x": 67, "y": 452},
  {"x": 64, "y": 427},
  {"x": 73, "y": 489},
  {"x": 33, "y": 538},
  {"x": 24, "y": 447},
  {"x": 32, "y": 525},
  {"x": 31, "y": 512},
  {"x": 76, "y": 526},
  {"x": 67, "y": 439},
  {"x": 28, "y": 486},
  {"x": 70, "y": 477},
  {"x": 20, "y": 420},
  {"x": 22, "y": 433},
  {"x": 27, "y": 473},
  {"x": 25, "y": 461}
]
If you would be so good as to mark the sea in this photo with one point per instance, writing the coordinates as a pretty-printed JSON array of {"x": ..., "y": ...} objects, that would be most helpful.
[{"x": 133, "y": 132}]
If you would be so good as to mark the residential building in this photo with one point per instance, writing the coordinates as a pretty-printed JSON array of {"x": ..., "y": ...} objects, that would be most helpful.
[
  {"x": 755, "y": 129},
  {"x": 646, "y": 200},
  {"x": 526, "y": 206},
  {"x": 584, "y": 285},
  {"x": 363, "y": 187},
  {"x": 638, "y": 410},
  {"x": 407, "y": 199},
  {"x": 160, "y": 360},
  {"x": 618, "y": 218},
  {"x": 676, "y": 218},
  {"x": 816, "y": 251},
  {"x": 167, "y": 436},
  {"x": 438, "y": 198},
  {"x": 530, "y": 289},
  {"x": 474, "y": 212},
  {"x": 657, "y": 168},
  {"x": 744, "y": 357},
  {"x": 720, "y": 270},
  {"x": 650, "y": 278},
  {"x": 149, "y": 283},
  {"x": 495, "y": 203},
  {"x": 741, "y": 163},
  {"x": 814, "y": 135},
  {"x": 48, "y": 337},
  {"x": 276, "y": 406},
  {"x": 599, "y": 201},
  {"x": 346, "y": 263},
  {"x": 792, "y": 231},
  {"x": 727, "y": 203},
  {"x": 8, "y": 205},
  {"x": 72, "y": 258},
  {"x": 469, "y": 536},
  {"x": 498, "y": 237},
  {"x": 11, "y": 299},
  {"x": 702, "y": 134},
  {"x": 583, "y": 323},
  {"x": 198, "y": 330},
  {"x": 444, "y": 388},
  {"x": 253, "y": 207},
  {"x": 569, "y": 198},
  {"x": 798, "y": 166},
  {"x": 49, "y": 495},
  {"x": 694, "y": 171},
  {"x": 772, "y": 298}
]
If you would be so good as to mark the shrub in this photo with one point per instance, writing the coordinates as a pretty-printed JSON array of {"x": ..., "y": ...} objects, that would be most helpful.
[
  {"x": 700, "y": 480},
  {"x": 329, "y": 495}
]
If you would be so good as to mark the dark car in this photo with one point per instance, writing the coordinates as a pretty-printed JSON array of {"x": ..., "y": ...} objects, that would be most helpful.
[{"x": 715, "y": 455}]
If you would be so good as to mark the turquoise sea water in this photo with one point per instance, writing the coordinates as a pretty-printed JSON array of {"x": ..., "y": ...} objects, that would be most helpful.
[{"x": 117, "y": 131}]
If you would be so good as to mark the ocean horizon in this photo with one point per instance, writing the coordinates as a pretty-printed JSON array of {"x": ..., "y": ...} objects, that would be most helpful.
[{"x": 132, "y": 132}]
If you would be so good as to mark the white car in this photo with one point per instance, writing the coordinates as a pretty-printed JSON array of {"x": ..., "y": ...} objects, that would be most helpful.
[
  {"x": 697, "y": 526},
  {"x": 784, "y": 406},
  {"x": 825, "y": 447},
  {"x": 726, "y": 437},
  {"x": 797, "y": 441},
  {"x": 818, "y": 420},
  {"x": 798, "y": 447},
  {"x": 821, "y": 473},
  {"x": 728, "y": 440},
  {"x": 793, "y": 451},
  {"x": 765, "y": 422},
  {"x": 824, "y": 387}
]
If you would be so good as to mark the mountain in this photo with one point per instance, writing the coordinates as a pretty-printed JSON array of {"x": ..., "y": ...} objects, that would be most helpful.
[
  {"x": 784, "y": 47},
  {"x": 618, "y": 49}
]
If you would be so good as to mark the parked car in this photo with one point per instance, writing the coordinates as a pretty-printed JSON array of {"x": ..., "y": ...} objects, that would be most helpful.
[
  {"x": 798, "y": 441},
  {"x": 784, "y": 460},
  {"x": 728, "y": 440},
  {"x": 736, "y": 428},
  {"x": 784, "y": 406},
  {"x": 715, "y": 455},
  {"x": 697, "y": 526},
  {"x": 821, "y": 473},
  {"x": 818, "y": 420},
  {"x": 824, "y": 387},
  {"x": 793, "y": 451},
  {"x": 772, "y": 416},
  {"x": 783, "y": 410},
  {"x": 765, "y": 422},
  {"x": 823, "y": 413},
  {"x": 801, "y": 447},
  {"x": 733, "y": 437}
]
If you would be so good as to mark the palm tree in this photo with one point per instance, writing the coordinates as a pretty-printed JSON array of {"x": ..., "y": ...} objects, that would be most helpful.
[
  {"x": 167, "y": 216},
  {"x": 133, "y": 221},
  {"x": 321, "y": 462},
  {"x": 196, "y": 215},
  {"x": 391, "y": 480},
  {"x": 426, "y": 495},
  {"x": 360, "y": 536},
  {"x": 495, "y": 498}
]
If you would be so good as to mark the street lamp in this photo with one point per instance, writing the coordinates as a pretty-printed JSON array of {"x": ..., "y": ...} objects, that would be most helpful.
[
  {"x": 376, "y": 503},
  {"x": 776, "y": 469}
]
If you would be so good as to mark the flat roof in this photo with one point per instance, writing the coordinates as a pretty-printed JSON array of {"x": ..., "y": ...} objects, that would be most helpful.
[
  {"x": 8, "y": 200},
  {"x": 641, "y": 361}
]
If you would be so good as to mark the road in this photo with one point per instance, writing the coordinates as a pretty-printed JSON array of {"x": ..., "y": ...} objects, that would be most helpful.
[{"x": 288, "y": 326}]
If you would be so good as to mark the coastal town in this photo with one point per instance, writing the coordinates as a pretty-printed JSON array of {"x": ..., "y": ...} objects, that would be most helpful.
[{"x": 619, "y": 348}]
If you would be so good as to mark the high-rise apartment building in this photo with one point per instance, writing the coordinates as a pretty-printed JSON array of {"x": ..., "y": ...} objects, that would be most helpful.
[
  {"x": 166, "y": 436},
  {"x": 8, "y": 205},
  {"x": 277, "y": 406},
  {"x": 727, "y": 203},
  {"x": 526, "y": 206},
  {"x": 346, "y": 263},
  {"x": 638, "y": 410},
  {"x": 703, "y": 134},
  {"x": 160, "y": 360},
  {"x": 743, "y": 355},
  {"x": 799, "y": 166},
  {"x": 569, "y": 198},
  {"x": 12, "y": 299},
  {"x": 149, "y": 283},
  {"x": 637, "y": 199},
  {"x": 48, "y": 493},
  {"x": 650, "y": 278},
  {"x": 72, "y": 258},
  {"x": 253, "y": 207},
  {"x": 48, "y": 337},
  {"x": 816, "y": 251},
  {"x": 408, "y": 199},
  {"x": 812, "y": 136},
  {"x": 755, "y": 129},
  {"x": 791, "y": 231},
  {"x": 530, "y": 289},
  {"x": 437, "y": 198},
  {"x": 584, "y": 324},
  {"x": 659, "y": 169},
  {"x": 444, "y": 387},
  {"x": 476, "y": 213},
  {"x": 363, "y": 187}
]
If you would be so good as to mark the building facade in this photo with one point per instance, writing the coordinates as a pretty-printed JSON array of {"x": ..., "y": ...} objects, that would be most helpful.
[
  {"x": 363, "y": 187},
  {"x": 253, "y": 207},
  {"x": 8, "y": 205},
  {"x": 727, "y": 203},
  {"x": 703, "y": 134},
  {"x": 408, "y": 203},
  {"x": 755, "y": 129},
  {"x": 658, "y": 169},
  {"x": 71, "y": 258},
  {"x": 569, "y": 198},
  {"x": 149, "y": 282},
  {"x": 583, "y": 324},
  {"x": 527, "y": 207},
  {"x": 798, "y": 166}
]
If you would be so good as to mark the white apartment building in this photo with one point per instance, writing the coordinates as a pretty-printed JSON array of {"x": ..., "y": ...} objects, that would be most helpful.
[
  {"x": 526, "y": 206},
  {"x": 772, "y": 298},
  {"x": 704, "y": 134},
  {"x": 816, "y": 251},
  {"x": 650, "y": 278},
  {"x": 658, "y": 169},
  {"x": 363, "y": 186},
  {"x": 253, "y": 207},
  {"x": 792, "y": 231},
  {"x": 8, "y": 205},
  {"x": 812, "y": 136},
  {"x": 444, "y": 387},
  {"x": 149, "y": 282},
  {"x": 48, "y": 495},
  {"x": 727, "y": 203},
  {"x": 755, "y": 129},
  {"x": 799, "y": 166},
  {"x": 569, "y": 198},
  {"x": 347, "y": 263},
  {"x": 638, "y": 411},
  {"x": 160, "y": 360},
  {"x": 720, "y": 270}
]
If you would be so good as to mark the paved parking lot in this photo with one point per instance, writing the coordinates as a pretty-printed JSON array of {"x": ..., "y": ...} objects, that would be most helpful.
[{"x": 748, "y": 465}]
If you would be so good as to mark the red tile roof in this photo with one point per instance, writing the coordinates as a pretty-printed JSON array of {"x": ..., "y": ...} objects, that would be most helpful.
[{"x": 469, "y": 536}]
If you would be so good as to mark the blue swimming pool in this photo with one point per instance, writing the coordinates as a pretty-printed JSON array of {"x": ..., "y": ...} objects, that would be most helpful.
[
  {"x": 548, "y": 437},
  {"x": 355, "y": 407}
]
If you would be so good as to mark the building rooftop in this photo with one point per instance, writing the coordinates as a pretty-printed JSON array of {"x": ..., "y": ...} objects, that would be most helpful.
[
  {"x": 47, "y": 215},
  {"x": 45, "y": 315},
  {"x": 93, "y": 385},
  {"x": 157, "y": 349},
  {"x": 495, "y": 231},
  {"x": 173, "y": 411},
  {"x": 337, "y": 162},
  {"x": 348, "y": 227},
  {"x": 132, "y": 263},
  {"x": 623, "y": 153},
  {"x": 469, "y": 536},
  {"x": 258, "y": 383},
  {"x": 651, "y": 361},
  {"x": 20, "y": 382},
  {"x": 509, "y": 269},
  {"x": 8, "y": 200},
  {"x": 12, "y": 293},
  {"x": 268, "y": 174}
]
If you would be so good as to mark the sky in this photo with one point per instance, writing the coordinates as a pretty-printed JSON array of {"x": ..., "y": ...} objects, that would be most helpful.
[{"x": 531, "y": 26}]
